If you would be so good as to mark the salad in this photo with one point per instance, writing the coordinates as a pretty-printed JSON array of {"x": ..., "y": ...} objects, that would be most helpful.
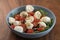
[{"x": 30, "y": 20}]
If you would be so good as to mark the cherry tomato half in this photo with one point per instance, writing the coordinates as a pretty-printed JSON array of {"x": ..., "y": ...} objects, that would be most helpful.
[
  {"x": 30, "y": 31},
  {"x": 40, "y": 29},
  {"x": 31, "y": 13},
  {"x": 12, "y": 26}
]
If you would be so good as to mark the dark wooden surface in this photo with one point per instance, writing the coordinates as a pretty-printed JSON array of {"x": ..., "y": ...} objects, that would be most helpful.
[{"x": 7, "y": 5}]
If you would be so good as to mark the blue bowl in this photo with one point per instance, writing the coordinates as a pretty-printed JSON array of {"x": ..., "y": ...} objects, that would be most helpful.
[{"x": 35, "y": 35}]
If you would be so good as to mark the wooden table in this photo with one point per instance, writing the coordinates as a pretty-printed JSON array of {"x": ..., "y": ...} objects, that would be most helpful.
[{"x": 7, "y": 5}]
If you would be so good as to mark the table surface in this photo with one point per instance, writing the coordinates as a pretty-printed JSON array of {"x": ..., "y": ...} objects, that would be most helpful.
[{"x": 8, "y": 5}]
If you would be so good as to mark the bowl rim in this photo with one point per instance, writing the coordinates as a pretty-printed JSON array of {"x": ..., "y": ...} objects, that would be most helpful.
[{"x": 32, "y": 33}]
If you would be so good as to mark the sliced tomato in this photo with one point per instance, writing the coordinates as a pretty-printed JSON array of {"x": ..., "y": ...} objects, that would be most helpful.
[
  {"x": 12, "y": 26},
  {"x": 40, "y": 29},
  {"x": 22, "y": 18},
  {"x": 31, "y": 13},
  {"x": 17, "y": 17},
  {"x": 36, "y": 20},
  {"x": 30, "y": 31},
  {"x": 23, "y": 25},
  {"x": 35, "y": 24}
]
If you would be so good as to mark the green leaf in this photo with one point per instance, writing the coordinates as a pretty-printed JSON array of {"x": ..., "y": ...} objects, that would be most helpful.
[
  {"x": 50, "y": 23},
  {"x": 43, "y": 12},
  {"x": 47, "y": 28}
]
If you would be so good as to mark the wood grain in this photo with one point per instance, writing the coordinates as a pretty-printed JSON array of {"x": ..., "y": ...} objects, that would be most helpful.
[{"x": 8, "y": 5}]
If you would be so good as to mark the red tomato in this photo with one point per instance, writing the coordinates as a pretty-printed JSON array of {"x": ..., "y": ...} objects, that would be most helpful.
[
  {"x": 23, "y": 25},
  {"x": 17, "y": 17},
  {"x": 12, "y": 26},
  {"x": 40, "y": 29},
  {"x": 30, "y": 31},
  {"x": 36, "y": 20},
  {"x": 21, "y": 18},
  {"x": 35, "y": 24},
  {"x": 31, "y": 13}
]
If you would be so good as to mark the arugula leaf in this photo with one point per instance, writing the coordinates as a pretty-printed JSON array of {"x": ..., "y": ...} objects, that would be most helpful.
[
  {"x": 43, "y": 12},
  {"x": 47, "y": 28}
]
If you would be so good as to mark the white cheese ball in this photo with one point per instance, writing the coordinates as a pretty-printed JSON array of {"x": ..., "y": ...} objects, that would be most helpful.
[
  {"x": 24, "y": 14},
  {"x": 42, "y": 24},
  {"x": 29, "y": 25},
  {"x": 11, "y": 20},
  {"x": 37, "y": 14},
  {"x": 46, "y": 19},
  {"x": 29, "y": 19},
  {"x": 29, "y": 8},
  {"x": 18, "y": 28},
  {"x": 16, "y": 23}
]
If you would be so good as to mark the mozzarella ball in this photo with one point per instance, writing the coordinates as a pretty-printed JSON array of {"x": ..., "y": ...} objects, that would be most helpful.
[
  {"x": 18, "y": 28},
  {"x": 16, "y": 23},
  {"x": 24, "y": 14},
  {"x": 30, "y": 19},
  {"x": 11, "y": 20},
  {"x": 29, "y": 25},
  {"x": 29, "y": 8},
  {"x": 42, "y": 24},
  {"x": 37, "y": 14},
  {"x": 46, "y": 19}
]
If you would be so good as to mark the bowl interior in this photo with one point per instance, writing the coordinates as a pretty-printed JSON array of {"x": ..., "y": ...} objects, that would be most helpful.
[{"x": 22, "y": 8}]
